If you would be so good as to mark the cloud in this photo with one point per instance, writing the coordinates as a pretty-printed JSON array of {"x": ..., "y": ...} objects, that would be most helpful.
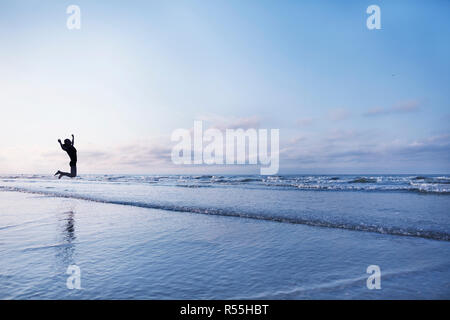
[
  {"x": 298, "y": 139},
  {"x": 222, "y": 123},
  {"x": 362, "y": 150},
  {"x": 342, "y": 134},
  {"x": 146, "y": 156},
  {"x": 338, "y": 114},
  {"x": 404, "y": 107},
  {"x": 438, "y": 145},
  {"x": 304, "y": 122}
]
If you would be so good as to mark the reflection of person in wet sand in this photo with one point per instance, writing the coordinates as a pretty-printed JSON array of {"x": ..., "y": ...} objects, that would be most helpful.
[
  {"x": 66, "y": 252},
  {"x": 68, "y": 146}
]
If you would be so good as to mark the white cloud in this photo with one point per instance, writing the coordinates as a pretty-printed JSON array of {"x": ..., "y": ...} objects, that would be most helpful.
[{"x": 403, "y": 107}]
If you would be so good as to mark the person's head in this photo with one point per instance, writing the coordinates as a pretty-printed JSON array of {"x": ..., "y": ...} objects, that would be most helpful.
[{"x": 67, "y": 142}]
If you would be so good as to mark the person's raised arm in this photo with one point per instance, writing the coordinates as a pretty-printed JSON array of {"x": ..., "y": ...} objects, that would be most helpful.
[
  {"x": 62, "y": 146},
  {"x": 73, "y": 140}
]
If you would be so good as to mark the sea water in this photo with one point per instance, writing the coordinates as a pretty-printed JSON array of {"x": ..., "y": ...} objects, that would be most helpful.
[{"x": 221, "y": 237}]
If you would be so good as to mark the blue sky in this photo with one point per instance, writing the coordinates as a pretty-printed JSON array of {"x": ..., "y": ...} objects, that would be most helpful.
[{"x": 346, "y": 99}]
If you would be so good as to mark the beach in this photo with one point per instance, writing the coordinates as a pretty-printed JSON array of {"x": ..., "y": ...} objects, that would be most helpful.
[{"x": 127, "y": 251}]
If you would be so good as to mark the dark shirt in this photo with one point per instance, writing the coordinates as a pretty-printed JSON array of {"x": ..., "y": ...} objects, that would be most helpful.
[{"x": 72, "y": 152}]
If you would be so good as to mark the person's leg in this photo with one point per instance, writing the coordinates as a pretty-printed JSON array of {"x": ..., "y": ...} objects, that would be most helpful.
[
  {"x": 61, "y": 174},
  {"x": 73, "y": 171},
  {"x": 72, "y": 174}
]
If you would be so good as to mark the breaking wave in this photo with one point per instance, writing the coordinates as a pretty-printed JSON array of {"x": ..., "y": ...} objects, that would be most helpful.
[{"x": 320, "y": 222}]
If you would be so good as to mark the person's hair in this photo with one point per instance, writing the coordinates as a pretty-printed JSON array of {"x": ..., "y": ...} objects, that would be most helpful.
[{"x": 67, "y": 141}]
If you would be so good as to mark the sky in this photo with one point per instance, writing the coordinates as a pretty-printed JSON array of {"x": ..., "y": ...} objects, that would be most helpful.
[{"x": 346, "y": 99}]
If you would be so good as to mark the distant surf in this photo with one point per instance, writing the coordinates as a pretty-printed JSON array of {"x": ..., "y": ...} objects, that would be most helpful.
[
  {"x": 139, "y": 191},
  {"x": 438, "y": 184}
]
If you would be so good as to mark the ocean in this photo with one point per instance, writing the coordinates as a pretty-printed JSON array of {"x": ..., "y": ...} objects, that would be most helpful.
[{"x": 225, "y": 236}]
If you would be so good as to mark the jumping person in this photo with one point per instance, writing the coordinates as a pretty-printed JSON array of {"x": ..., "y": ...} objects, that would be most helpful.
[{"x": 72, "y": 152}]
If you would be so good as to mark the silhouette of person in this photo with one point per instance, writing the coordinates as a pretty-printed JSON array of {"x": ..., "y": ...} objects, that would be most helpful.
[{"x": 72, "y": 152}]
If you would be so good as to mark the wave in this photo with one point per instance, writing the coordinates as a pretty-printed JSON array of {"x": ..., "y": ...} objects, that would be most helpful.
[
  {"x": 191, "y": 186},
  {"x": 381, "y": 229},
  {"x": 416, "y": 188},
  {"x": 419, "y": 184},
  {"x": 363, "y": 180},
  {"x": 249, "y": 180}
]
